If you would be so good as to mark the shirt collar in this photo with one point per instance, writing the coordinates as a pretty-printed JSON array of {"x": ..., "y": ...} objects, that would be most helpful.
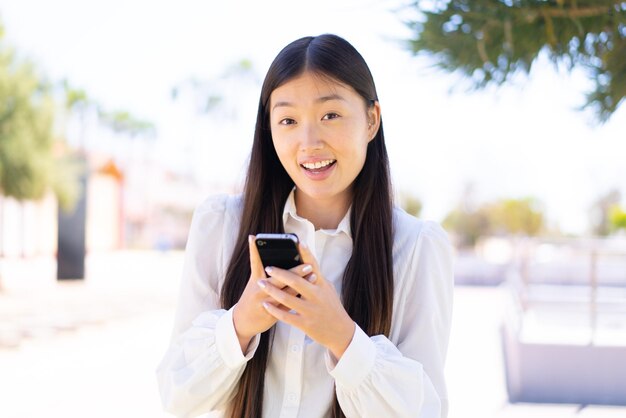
[{"x": 290, "y": 212}]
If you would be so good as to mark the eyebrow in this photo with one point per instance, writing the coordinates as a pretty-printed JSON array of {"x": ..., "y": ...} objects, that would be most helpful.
[{"x": 322, "y": 99}]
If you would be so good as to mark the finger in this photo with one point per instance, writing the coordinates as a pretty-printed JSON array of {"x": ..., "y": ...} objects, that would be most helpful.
[
  {"x": 287, "y": 278},
  {"x": 308, "y": 258},
  {"x": 290, "y": 290},
  {"x": 302, "y": 269},
  {"x": 280, "y": 285},
  {"x": 281, "y": 314},
  {"x": 282, "y": 297},
  {"x": 269, "y": 299},
  {"x": 256, "y": 266}
]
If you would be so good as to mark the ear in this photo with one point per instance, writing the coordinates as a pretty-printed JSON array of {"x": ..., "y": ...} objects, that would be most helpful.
[{"x": 373, "y": 120}]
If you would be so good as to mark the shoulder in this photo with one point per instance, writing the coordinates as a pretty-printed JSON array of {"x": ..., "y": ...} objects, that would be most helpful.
[
  {"x": 214, "y": 215},
  {"x": 420, "y": 247},
  {"x": 218, "y": 204},
  {"x": 423, "y": 259},
  {"x": 212, "y": 225},
  {"x": 410, "y": 231},
  {"x": 216, "y": 208}
]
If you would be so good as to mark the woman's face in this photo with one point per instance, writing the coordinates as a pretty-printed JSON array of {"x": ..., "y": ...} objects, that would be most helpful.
[{"x": 321, "y": 129}]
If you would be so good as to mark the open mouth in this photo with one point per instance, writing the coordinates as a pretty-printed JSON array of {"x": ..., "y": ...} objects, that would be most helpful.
[{"x": 318, "y": 166}]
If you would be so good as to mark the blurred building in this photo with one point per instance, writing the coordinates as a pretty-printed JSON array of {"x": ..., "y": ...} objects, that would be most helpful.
[
  {"x": 29, "y": 229},
  {"x": 564, "y": 335}
]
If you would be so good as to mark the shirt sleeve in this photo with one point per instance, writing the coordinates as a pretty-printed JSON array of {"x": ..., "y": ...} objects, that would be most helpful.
[
  {"x": 376, "y": 377},
  {"x": 201, "y": 368}
]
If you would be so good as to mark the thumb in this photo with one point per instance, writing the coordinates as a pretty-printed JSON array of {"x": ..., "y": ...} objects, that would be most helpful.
[{"x": 256, "y": 265}]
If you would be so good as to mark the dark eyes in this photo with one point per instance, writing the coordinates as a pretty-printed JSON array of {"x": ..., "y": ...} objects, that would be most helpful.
[
  {"x": 328, "y": 116},
  {"x": 287, "y": 121}
]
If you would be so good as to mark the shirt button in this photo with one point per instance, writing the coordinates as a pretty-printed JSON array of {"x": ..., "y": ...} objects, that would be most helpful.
[
  {"x": 292, "y": 397},
  {"x": 295, "y": 348}
]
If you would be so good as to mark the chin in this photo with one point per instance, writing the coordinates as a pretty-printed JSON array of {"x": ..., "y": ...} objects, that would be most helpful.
[{"x": 319, "y": 193}]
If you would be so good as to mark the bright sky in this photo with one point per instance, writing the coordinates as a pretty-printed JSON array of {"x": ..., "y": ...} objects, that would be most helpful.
[{"x": 526, "y": 140}]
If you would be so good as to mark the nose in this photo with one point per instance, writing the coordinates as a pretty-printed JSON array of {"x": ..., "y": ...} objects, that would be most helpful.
[{"x": 311, "y": 138}]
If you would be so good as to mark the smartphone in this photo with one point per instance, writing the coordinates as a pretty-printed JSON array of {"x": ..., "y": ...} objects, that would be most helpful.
[{"x": 279, "y": 250}]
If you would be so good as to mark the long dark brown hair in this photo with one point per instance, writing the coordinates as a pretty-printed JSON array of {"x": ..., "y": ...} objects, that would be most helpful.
[{"x": 367, "y": 292}]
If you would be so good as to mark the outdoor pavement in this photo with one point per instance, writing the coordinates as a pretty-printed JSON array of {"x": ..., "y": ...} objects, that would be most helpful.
[{"x": 90, "y": 348}]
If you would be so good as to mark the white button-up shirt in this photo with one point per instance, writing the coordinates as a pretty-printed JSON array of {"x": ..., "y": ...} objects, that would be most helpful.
[{"x": 379, "y": 377}]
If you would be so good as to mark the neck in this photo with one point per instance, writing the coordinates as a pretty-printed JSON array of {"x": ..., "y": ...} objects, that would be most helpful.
[{"x": 323, "y": 214}]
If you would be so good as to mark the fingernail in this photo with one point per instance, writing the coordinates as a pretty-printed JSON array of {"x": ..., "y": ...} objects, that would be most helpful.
[
  {"x": 303, "y": 245},
  {"x": 266, "y": 305},
  {"x": 262, "y": 283},
  {"x": 312, "y": 278},
  {"x": 268, "y": 270},
  {"x": 307, "y": 269},
  {"x": 250, "y": 239}
]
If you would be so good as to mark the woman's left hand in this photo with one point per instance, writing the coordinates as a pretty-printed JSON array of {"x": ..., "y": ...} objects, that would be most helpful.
[{"x": 318, "y": 311}]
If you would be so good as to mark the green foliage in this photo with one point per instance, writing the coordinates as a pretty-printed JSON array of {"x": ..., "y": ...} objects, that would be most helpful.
[
  {"x": 26, "y": 116},
  {"x": 122, "y": 122},
  {"x": 28, "y": 167},
  {"x": 506, "y": 216},
  {"x": 31, "y": 161},
  {"x": 490, "y": 40},
  {"x": 411, "y": 204},
  {"x": 75, "y": 98},
  {"x": 468, "y": 225},
  {"x": 516, "y": 216},
  {"x": 617, "y": 217}
]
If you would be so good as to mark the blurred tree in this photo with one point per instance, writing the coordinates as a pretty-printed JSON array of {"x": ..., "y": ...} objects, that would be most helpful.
[
  {"x": 507, "y": 216},
  {"x": 28, "y": 168},
  {"x": 617, "y": 218},
  {"x": 516, "y": 216},
  {"x": 600, "y": 212},
  {"x": 467, "y": 225},
  {"x": 123, "y": 123},
  {"x": 411, "y": 204},
  {"x": 78, "y": 103},
  {"x": 490, "y": 40},
  {"x": 467, "y": 221}
]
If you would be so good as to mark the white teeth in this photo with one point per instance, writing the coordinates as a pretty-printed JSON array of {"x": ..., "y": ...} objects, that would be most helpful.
[{"x": 318, "y": 164}]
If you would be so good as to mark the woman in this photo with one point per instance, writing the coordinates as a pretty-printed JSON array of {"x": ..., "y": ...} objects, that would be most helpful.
[{"x": 361, "y": 328}]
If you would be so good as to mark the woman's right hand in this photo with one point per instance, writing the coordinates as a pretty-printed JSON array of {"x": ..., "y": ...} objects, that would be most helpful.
[{"x": 249, "y": 316}]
